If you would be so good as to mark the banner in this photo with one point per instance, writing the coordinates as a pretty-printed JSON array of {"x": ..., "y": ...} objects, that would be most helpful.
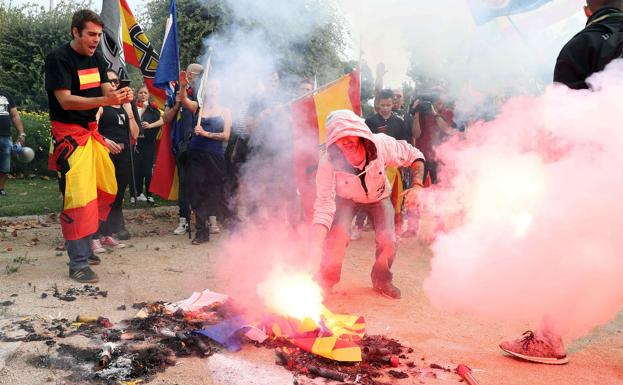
[{"x": 484, "y": 11}]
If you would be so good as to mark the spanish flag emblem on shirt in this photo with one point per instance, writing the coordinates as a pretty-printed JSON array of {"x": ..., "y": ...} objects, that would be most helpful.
[{"x": 89, "y": 78}]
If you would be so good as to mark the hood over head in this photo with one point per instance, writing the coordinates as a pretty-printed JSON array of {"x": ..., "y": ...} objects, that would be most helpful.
[{"x": 342, "y": 123}]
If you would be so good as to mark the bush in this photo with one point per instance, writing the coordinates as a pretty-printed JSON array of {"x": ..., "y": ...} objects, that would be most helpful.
[{"x": 38, "y": 134}]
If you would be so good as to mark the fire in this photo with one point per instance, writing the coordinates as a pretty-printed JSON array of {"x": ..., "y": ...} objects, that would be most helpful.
[{"x": 292, "y": 294}]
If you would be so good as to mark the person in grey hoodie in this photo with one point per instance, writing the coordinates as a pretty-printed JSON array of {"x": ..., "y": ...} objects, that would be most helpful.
[{"x": 350, "y": 172}]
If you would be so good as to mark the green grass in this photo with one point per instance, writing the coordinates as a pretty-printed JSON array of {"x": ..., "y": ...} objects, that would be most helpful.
[{"x": 38, "y": 196}]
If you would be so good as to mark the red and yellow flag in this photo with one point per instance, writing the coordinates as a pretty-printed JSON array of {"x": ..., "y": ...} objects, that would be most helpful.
[
  {"x": 166, "y": 179},
  {"x": 139, "y": 52},
  {"x": 89, "y": 78},
  {"x": 90, "y": 186},
  {"x": 308, "y": 121},
  {"x": 336, "y": 337}
]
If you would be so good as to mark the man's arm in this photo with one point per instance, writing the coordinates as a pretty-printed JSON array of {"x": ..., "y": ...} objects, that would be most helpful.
[
  {"x": 17, "y": 122},
  {"x": 81, "y": 103}
]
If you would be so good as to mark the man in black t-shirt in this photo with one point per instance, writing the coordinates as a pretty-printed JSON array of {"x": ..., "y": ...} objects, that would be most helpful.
[
  {"x": 77, "y": 85},
  {"x": 8, "y": 114}
]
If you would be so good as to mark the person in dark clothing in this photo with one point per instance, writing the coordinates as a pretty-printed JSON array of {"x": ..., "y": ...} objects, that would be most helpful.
[
  {"x": 207, "y": 171},
  {"x": 151, "y": 121},
  {"x": 183, "y": 107},
  {"x": 8, "y": 114},
  {"x": 114, "y": 124},
  {"x": 587, "y": 52}
]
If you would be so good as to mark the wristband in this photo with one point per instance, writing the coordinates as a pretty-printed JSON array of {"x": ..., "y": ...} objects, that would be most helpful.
[{"x": 23, "y": 134}]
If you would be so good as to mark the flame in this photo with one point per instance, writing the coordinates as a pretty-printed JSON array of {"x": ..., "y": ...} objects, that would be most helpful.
[{"x": 292, "y": 294}]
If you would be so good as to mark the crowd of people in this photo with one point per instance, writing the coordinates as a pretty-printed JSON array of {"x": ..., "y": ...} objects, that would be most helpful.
[{"x": 371, "y": 170}]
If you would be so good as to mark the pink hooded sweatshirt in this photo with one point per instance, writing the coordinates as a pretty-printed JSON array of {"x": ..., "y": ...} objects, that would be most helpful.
[{"x": 336, "y": 176}]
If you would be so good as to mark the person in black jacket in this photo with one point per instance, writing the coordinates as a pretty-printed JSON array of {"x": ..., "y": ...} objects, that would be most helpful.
[{"x": 587, "y": 52}]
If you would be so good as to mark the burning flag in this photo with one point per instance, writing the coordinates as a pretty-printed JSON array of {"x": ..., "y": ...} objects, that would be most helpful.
[{"x": 306, "y": 322}]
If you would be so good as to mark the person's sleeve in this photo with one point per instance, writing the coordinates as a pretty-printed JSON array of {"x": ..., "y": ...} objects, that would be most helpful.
[
  {"x": 324, "y": 206},
  {"x": 398, "y": 153},
  {"x": 57, "y": 73}
]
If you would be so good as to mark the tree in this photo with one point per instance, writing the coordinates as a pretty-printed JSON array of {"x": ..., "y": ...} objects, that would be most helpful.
[{"x": 28, "y": 34}]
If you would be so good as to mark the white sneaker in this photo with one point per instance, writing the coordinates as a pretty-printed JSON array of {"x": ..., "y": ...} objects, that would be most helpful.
[
  {"x": 111, "y": 242},
  {"x": 214, "y": 229},
  {"x": 141, "y": 198},
  {"x": 132, "y": 201},
  {"x": 151, "y": 200},
  {"x": 96, "y": 246},
  {"x": 182, "y": 228},
  {"x": 355, "y": 233}
]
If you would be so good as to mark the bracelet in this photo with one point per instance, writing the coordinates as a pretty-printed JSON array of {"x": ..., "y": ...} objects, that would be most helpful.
[{"x": 23, "y": 134}]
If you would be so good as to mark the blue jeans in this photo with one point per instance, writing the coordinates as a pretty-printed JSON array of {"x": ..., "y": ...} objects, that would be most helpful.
[
  {"x": 5, "y": 154},
  {"x": 79, "y": 251},
  {"x": 382, "y": 215}
]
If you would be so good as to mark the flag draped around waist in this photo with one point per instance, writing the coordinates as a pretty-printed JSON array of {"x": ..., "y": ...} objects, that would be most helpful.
[{"x": 87, "y": 175}]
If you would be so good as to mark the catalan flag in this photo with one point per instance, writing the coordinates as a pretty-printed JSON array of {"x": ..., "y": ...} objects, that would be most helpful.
[
  {"x": 335, "y": 336},
  {"x": 308, "y": 121},
  {"x": 139, "y": 52}
]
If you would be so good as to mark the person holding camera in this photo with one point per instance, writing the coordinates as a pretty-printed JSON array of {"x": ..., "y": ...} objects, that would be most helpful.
[
  {"x": 115, "y": 122},
  {"x": 8, "y": 114}
]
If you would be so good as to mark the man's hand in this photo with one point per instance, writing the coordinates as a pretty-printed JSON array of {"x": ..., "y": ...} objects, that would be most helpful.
[
  {"x": 411, "y": 197},
  {"x": 21, "y": 139},
  {"x": 120, "y": 97},
  {"x": 114, "y": 147},
  {"x": 145, "y": 125},
  {"x": 183, "y": 79}
]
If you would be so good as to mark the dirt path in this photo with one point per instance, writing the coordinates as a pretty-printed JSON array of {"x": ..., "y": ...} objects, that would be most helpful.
[{"x": 161, "y": 266}]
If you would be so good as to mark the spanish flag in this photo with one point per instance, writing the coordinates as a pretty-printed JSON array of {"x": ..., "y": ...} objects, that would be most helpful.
[
  {"x": 139, "y": 52},
  {"x": 165, "y": 182},
  {"x": 308, "y": 121},
  {"x": 336, "y": 336},
  {"x": 88, "y": 178}
]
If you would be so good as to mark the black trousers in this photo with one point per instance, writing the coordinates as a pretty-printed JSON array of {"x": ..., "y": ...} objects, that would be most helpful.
[
  {"x": 115, "y": 221},
  {"x": 144, "y": 164}
]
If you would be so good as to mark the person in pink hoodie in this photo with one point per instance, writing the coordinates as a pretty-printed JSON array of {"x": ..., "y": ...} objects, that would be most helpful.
[{"x": 350, "y": 172}]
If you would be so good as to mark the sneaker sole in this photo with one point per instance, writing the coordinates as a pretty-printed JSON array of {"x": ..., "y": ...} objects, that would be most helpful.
[
  {"x": 540, "y": 360},
  {"x": 99, "y": 251}
]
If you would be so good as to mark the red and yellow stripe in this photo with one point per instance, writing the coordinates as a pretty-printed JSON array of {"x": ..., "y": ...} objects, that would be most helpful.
[
  {"x": 165, "y": 181},
  {"x": 89, "y": 78}
]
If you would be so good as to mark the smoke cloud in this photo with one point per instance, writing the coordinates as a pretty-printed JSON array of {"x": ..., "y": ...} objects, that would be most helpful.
[{"x": 532, "y": 211}]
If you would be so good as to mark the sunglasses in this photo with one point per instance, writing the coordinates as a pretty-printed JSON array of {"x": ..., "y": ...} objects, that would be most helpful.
[{"x": 114, "y": 82}]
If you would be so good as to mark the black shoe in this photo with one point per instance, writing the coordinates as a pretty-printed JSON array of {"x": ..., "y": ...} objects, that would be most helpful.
[
  {"x": 387, "y": 289},
  {"x": 84, "y": 275},
  {"x": 123, "y": 235},
  {"x": 201, "y": 237},
  {"x": 94, "y": 260},
  {"x": 2, "y": 193}
]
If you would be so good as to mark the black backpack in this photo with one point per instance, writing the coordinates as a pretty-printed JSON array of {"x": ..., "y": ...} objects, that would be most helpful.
[{"x": 613, "y": 46}]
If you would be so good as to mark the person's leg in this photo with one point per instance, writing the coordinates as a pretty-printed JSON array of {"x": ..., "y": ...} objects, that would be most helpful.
[
  {"x": 123, "y": 175},
  {"x": 382, "y": 213},
  {"x": 149, "y": 154},
  {"x": 182, "y": 202},
  {"x": 336, "y": 242},
  {"x": 136, "y": 188},
  {"x": 198, "y": 190},
  {"x": 5, "y": 161}
]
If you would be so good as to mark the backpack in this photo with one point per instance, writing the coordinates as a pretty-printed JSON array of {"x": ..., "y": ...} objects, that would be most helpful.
[{"x": 612, "y": 48}]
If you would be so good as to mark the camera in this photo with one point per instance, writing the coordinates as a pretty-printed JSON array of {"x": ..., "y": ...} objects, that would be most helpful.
[{"x": 426, "y": 102}]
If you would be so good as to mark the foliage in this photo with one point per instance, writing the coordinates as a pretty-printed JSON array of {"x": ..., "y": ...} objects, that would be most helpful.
[
  {"x": 28, "y": 34},
  {"x": 38, "y": 133},
  {"x": 196, "y": 20}
]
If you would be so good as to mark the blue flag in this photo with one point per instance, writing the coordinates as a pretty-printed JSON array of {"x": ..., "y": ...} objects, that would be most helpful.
[
  {"x": 484, "y": 11},
  {"x": 169, "y": 65}
]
